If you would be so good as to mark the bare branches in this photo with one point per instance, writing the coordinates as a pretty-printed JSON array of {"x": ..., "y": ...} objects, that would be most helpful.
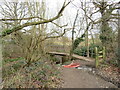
[
  {"x": 13, "y": 19},
  {"x": 57, "y": 36},
  {"x": 107, "y": 15},
  {"x": 63, "y": 7},
  {"x": 19, "y": 27}
]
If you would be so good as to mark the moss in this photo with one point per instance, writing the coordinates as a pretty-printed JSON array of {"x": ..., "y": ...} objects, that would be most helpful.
[{"x": 6, "y": 32}]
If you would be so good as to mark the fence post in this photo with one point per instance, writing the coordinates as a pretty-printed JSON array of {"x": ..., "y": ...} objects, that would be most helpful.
[
  {"x": 104, "y": 57},
  {"x": 96, "y": 57}
]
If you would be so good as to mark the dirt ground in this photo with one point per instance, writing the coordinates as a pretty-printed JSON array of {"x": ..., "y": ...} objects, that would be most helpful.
[{"x": 76, "y": 78}]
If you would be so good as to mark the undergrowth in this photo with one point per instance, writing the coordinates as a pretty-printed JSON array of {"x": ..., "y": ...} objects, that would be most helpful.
[{"x": 41, "y": 74}]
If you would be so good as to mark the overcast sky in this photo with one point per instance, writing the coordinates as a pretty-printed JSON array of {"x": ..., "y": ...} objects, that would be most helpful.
[{"x": 54, "y": 5}]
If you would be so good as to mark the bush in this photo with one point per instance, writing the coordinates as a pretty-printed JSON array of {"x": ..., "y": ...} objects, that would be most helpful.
[
  {"x": 80, "y": 51},
  {"x": 83, "y": 50}
]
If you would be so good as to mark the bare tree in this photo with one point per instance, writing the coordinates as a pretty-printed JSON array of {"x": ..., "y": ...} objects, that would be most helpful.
[
  {"x": 106, "y": 10},
  {"x": 85, "y": 8},
  {"x": 43, "y": 21},
  {"x": 31, "y": 40},
  {"x": 118, "y": 35},
  {"x": 72, "y": 46}
]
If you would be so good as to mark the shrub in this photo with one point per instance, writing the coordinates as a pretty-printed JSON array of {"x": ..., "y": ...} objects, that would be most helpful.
[
  {"x": 83, "y": 50},
  {"x": 80, "y": 51}
]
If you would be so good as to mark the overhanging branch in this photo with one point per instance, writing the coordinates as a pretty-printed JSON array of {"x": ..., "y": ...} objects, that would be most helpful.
[
  {"x": 19, "y": 27},
  {"x": 48, "y": 37}
]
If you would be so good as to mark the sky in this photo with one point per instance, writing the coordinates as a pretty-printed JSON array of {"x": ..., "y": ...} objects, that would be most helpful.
[{"x": 54, "y": 6}]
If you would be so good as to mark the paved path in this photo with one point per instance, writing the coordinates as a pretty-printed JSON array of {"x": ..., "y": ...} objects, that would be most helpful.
[{"x": 75, "y": 78}]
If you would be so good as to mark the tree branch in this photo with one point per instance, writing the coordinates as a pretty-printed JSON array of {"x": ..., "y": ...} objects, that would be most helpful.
[
  {"x": 19, "y": 27},
  {"x": 29, "y": 19},
  {"x": 54, "y": 36},
  {"x": 14, "y": 19}
]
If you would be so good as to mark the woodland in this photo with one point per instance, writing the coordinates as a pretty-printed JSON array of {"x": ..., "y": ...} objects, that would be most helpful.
[{"x": 38, "y": 37}]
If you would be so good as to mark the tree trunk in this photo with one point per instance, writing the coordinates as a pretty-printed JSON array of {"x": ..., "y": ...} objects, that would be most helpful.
[
  {"x": 119, "y": 38},
  {"x": 72, "y": 46},
  {"x": 87, "y": 43},
  {"x": 106, "y": 31}
]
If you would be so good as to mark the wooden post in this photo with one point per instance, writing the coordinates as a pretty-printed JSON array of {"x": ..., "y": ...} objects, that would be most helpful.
[
  {"x": 96, "y": 57},
  {"x": 104, "y": 57}
]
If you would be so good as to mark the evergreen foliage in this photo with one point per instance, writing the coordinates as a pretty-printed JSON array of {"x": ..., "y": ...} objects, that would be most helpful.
[{"x": 77, "y": 41}]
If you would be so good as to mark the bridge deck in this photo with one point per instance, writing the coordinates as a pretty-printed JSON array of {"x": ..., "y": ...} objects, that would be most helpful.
[{"x": 74, "y": 56}]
